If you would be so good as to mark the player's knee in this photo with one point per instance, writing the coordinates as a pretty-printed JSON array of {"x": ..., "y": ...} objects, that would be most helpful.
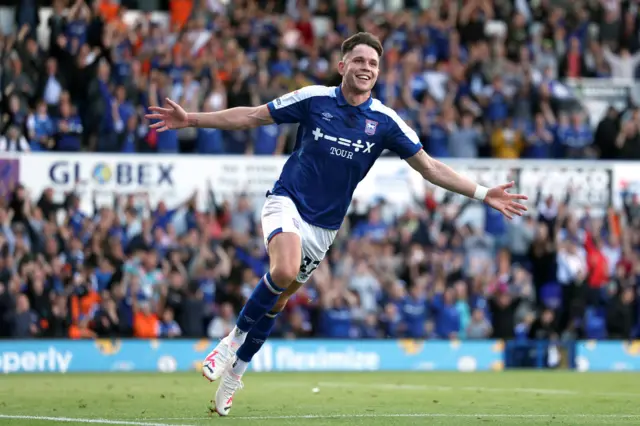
[
  {"x": 283, "y": 249},
  {"x": 284, "y": 273}
]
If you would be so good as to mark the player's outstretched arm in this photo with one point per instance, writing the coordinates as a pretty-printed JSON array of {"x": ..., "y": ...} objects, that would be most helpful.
[
  {"x": 175, "y": 117},
  {"x": 445, "y": 177}
]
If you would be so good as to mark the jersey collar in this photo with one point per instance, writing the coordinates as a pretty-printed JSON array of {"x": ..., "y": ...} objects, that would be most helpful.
[{"x": 343, "y": 102}]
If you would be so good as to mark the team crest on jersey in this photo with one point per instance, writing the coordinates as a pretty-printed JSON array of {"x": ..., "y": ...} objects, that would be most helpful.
[{"x": 370, "y": 127}]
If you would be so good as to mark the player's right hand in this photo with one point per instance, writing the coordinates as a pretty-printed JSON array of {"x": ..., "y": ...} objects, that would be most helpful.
[{"x": 171, "y": 118}]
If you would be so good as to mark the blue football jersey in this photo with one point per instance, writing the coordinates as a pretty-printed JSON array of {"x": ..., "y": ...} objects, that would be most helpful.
[{"x": 336, "y": 145}]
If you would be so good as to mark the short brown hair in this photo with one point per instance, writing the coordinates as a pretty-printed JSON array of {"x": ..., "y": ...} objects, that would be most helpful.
[{"x": 367, "y": 39}]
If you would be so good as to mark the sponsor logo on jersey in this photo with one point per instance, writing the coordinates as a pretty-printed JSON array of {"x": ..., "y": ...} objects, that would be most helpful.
[
  {"x": 370, "y": 127},
  {"x": 357, "y": 146}
]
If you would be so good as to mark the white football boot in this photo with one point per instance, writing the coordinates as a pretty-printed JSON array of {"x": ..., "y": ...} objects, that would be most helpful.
[
  {"x": 218, "y": 360},
  {"x": 228, "y": 386}
]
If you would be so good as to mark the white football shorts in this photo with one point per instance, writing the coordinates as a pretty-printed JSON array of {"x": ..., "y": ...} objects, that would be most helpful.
[{"x": 279, "y": 214}]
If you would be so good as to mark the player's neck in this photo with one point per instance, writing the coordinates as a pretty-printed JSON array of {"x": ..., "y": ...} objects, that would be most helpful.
[{"x": 354, "y": 98}]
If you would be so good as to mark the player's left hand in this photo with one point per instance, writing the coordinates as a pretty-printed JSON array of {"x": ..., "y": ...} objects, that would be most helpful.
[{"x": 504, "y": 202}]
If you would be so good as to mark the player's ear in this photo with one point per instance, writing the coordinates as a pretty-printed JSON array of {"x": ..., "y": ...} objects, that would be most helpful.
[{"x": 341, "y": 67}]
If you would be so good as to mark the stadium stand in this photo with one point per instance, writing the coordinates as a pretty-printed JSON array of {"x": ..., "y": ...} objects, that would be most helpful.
[{"x": 478, "y": 79}]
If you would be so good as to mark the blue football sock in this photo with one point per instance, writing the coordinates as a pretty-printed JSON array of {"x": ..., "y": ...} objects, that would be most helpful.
[
  {"x": 256, "y": 337},
  {"x": 263, "y": 298}
]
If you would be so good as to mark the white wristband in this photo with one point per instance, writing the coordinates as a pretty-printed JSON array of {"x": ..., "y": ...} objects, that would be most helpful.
[{"x": 481, "y": 192}]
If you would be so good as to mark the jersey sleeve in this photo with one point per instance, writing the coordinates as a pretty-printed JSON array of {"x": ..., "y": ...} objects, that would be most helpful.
[
  {"x": 292, "y": 107},
  {"x": 401, "y": 138}
]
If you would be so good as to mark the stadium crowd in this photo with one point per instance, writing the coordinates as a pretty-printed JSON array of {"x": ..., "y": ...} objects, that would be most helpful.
[
  {"x": 475, "y": 78},
  {"x": 139, "y": 270}
]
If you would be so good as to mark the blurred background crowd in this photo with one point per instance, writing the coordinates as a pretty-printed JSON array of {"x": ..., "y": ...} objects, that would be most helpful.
[
  {"x": 475, "y": 78},
  {"x": 140, "y": 270}
]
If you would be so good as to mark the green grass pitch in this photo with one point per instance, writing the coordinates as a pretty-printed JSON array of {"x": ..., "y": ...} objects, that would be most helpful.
[{"x": 505, "y": 398}]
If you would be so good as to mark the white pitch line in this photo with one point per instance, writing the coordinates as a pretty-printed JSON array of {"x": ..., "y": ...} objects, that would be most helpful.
[
  {"x": 82, "y": 420},
  {"x": 347, "y": 416},
  {"x": 420, "y": 415},
  {"x": 391, "y": 386}
]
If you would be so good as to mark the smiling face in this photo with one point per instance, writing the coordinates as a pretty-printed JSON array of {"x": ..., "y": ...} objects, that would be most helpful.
[
  {"x": 360, "y": 62},
  {"x": 359, "y": 69}
]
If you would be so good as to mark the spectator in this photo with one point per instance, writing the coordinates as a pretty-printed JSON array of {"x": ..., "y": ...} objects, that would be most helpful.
[
  {"x": 607, "y": 130},
  {"x": 299, "y": 326},
  {"x": 51, "y": 85},
  {"x": 520, "y": 234},
  {"x": 168, "y": 326},
  {"x": 542, "y": 255},
  {"x": 68, "y": 129},
  {"x": 573, "y": 64},
  {"x": 579, "y": 138},
  {"x": 597, "y": 267},
  {"x": 16, "y": 117},
  {"x": 507, "y": 142},
  {"x": 39, "y": 296},
  {"x": 13, "y": 141},
  {"x": 25, "y": 321},
  {"x": 627, "y": 142},
  {"x": 502, "y": 307},
  {"x": 447, "y": 314},
  {"x": 337, "y": 318},
  {"x": 58, "y": 321},
  {"x": 40, "y": 128},
  {"x": 107, "y": 321},
  {"x": 366, "y": 286},
  {"x": 539, "y": 140},
  {"x": 210, "y": 141},
  {"x": 391, "y": 321},
  {"x": 414, "y": 312},
  {"x": 222, "y": 325},
  {"x": 268, "y": 140},
  {"x": 17, "y": 83},
  {"x": 478, "y": 249},
  {"x": 622, "y": 66},
  {"x": 462, "y": 306},
  {"x": 479, "y": 327},
  {"x": 124, "y": 308},
  {"x": 543, "y": 328},
  {"x": 572, "y": 263},
  {"x": 620, "y": 313},
  {"x": 145, "y": 323},
  {"x": 28, "y": 52},
  {"x": 465, "y": 140}
]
